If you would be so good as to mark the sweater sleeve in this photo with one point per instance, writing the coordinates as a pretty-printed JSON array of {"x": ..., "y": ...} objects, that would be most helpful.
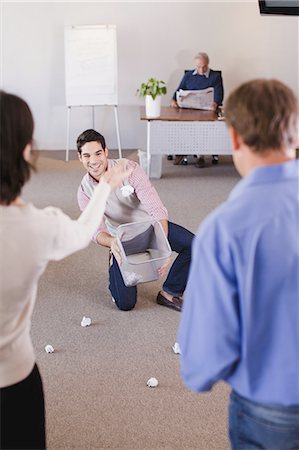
[
  {"x": 73, "y": 235},
  {"x": 83, "y": 200},
  {"x": 218, "y": 89},
  {"x": 181, "y": 86}
]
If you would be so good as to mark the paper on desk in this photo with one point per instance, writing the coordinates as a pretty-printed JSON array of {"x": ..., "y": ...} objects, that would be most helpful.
[{"x": 202, "y": 99}]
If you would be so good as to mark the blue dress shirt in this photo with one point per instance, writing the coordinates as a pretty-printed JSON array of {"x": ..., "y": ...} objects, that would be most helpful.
[
  {"x": 192, "y": 81},
  {"x": 240, "y": 319}
]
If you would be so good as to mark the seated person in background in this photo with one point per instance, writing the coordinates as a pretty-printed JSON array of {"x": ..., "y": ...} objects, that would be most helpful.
[
  {"x": 142, "y": 203},
  {"x": 201, "y": 78},
  {"x": 240, "y": 319}
]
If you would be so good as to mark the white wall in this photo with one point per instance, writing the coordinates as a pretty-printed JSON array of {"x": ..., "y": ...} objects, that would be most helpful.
[{"x": 154, "y": 39}]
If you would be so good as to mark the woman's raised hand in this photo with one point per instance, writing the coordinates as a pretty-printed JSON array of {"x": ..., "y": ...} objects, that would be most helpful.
[{"x": 116, "y": 175}]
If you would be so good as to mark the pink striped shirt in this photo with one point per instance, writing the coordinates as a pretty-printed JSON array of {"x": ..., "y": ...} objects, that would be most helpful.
[{"x": 143, "y": 190}]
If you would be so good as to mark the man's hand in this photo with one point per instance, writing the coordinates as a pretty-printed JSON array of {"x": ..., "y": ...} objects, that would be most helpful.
[
  {"x": 164, "y": 223},
  {"x": 163, "y": 269},
  {"x": 115, "y": 250},
  {"x": 173, "y": 104}
]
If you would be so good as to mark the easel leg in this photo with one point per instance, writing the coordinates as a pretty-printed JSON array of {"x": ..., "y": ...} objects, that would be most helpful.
[
  {"x": 68, "y": 133},
  {"x": 117, "y": 131},
  {"x": 93, "y": 118}
]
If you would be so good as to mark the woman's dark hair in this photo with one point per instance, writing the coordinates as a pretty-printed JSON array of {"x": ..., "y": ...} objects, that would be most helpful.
[
  {"x": 90, "y": 136},
  {"x": 16, "y": 131}
]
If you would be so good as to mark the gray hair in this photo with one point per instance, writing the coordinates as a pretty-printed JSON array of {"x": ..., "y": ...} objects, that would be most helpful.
[{"x": 202, "y": 55}]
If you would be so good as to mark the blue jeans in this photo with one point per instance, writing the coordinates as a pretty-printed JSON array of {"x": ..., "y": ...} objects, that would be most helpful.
[
  {"x": 180, "y": 240},
  {"x": 256, "y": 426}
]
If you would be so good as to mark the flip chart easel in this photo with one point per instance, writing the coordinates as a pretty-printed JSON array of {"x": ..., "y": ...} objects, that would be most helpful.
[{"x": 91, "y": 71}]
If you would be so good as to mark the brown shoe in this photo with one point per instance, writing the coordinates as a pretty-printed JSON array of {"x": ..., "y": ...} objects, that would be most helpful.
[
  {"x": 178, "y": 160},
  {"x": 175, "y": 303}
]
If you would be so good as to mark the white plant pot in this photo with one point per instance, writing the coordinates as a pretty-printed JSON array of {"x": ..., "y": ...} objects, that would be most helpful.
[{"x": 152, "y": 107}]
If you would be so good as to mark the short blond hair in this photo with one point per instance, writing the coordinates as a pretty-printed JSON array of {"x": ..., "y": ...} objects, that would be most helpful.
[{"x": 265, "y": 114}]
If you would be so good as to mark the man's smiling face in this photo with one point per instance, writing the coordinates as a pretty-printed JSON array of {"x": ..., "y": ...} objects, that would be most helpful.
[{"x": 94, "y": 158}]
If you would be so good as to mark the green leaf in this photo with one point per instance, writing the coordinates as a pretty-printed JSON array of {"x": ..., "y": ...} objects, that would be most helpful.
[{"x": 153, "y": 87}]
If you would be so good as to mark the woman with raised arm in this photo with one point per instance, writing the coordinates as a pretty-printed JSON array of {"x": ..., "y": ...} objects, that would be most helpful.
[{"x": 30, "y": 238}]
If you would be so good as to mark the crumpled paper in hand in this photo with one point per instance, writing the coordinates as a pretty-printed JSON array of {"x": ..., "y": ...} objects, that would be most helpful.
[
  {"x": 127, "y": 190},
  {"x": 176, "y": 348},
  {"x": 49, "y": 348},
  {"x": 152, "y": 382},
  {"x": 86, "y": 321}
]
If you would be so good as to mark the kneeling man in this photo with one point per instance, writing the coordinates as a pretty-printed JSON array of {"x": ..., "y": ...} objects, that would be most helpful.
[{"x": 138, "y": 201}]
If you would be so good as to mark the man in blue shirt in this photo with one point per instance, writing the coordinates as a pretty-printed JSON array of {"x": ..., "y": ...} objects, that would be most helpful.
[
  {"x": 202, "y": 77},
  {"x": 240, "y": 320}
]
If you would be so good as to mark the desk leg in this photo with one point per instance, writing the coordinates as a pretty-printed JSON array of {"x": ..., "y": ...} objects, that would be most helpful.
[
  {"x": 68, "y": 133},
  {"x": 148, "y": 148}
]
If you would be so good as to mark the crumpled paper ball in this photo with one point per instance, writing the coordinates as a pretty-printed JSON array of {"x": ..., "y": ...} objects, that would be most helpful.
[
  {"x": 132, "y": 278},
  {"x": 86, "y": 321},
  {"x": 127, "y": 190},
  {"x": 152, "y": 382},
  {"x": 176, "y": 348},
  {"x": 49, "y": 348}
]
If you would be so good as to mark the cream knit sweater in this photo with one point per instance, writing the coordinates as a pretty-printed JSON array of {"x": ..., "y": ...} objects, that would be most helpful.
[{"x": 30, "y": 238}]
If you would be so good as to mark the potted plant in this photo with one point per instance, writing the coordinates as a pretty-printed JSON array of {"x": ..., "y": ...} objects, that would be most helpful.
[{"x": 152, "y": 91}]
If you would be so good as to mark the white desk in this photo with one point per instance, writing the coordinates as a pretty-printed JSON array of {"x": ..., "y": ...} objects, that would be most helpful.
[{"x": 186, "y": 132}]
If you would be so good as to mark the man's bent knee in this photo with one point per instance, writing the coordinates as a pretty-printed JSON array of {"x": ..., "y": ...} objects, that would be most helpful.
[{"x": 125, "y": 307}]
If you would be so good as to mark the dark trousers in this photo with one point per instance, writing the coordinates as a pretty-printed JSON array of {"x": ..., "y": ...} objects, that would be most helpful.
[
  {"x": 256, "y": 426},
  {"x": 180, "y": 240},
  {"x": 23, "y": 414}
]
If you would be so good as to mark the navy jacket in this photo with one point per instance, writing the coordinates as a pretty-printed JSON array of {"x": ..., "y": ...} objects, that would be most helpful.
[{"x": 192, "y": 82}]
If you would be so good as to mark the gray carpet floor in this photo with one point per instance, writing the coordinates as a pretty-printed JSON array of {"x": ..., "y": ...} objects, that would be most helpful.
[{"x": 95, "y": 381}]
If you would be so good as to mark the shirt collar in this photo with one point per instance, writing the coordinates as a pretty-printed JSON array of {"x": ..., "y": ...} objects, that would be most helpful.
[
  {"x": 267, "y": 174},
  {"x": 93, "y": 180},
  {"x": 206, "y": 74}
]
